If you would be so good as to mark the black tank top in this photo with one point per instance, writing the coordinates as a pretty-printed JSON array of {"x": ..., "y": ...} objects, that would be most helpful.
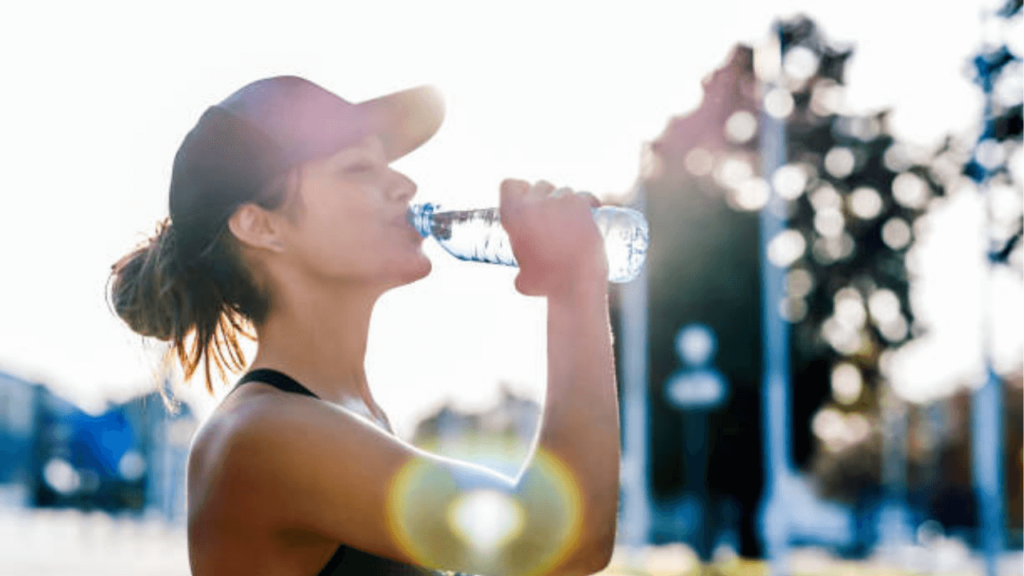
[{"x": 346, "y": 561}]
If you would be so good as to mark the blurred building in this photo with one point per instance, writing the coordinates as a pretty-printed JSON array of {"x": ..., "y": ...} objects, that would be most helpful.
[
  {"x": 18, "y": 400},
  {"x": 498, "y": 438},
  {"x": 130, "y": 458}
]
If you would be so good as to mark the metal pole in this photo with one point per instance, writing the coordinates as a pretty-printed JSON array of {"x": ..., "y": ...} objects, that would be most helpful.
[
  {"x": 774, "y": 330},
  {"x": 894, "y": 524},
  {"x": 636, "y": 499},
  {"x": 987, "y": 401}
]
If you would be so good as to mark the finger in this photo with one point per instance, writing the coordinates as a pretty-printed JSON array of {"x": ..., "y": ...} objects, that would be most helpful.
[
  {"x": 559, "y": 192},
  {"x": 541, "y": 189},
  {"x": 590, "y": 198},
  {"x": 512, "y": 189}
]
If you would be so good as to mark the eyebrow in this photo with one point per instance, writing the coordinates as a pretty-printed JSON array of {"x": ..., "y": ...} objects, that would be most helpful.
[{"x": 363, "y": 148}]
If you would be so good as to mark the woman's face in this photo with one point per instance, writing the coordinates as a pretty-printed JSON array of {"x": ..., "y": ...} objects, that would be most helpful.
[{"x": 347, "y": 221}]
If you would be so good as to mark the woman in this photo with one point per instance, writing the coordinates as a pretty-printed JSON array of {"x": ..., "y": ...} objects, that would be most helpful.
[{"x": 287, "y": 221}]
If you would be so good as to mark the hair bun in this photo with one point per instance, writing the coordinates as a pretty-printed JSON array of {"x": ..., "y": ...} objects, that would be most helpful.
[{"x": 147, "y": 289}]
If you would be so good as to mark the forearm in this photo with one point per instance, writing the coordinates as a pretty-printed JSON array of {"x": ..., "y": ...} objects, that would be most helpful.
[{"x": 580, "y": 424}]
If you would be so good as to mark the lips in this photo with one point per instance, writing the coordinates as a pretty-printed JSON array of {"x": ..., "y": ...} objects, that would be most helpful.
[{"x": 402, "y": 222}]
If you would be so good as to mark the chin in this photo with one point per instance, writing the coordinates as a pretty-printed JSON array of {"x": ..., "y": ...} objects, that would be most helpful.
[{"x": 417, "y": 269}]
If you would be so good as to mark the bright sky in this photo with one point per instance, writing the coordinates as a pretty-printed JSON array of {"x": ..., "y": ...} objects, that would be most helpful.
[{"x": 97, "y": 96}]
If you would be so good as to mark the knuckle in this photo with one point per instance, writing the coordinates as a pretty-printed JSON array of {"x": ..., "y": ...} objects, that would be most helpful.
[
  {"x": 512, "y": 186},
  {"x": 543, "y": 186}
]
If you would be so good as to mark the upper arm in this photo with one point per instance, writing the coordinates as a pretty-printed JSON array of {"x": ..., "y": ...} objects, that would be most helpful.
[{"x": 314, "y": 466}]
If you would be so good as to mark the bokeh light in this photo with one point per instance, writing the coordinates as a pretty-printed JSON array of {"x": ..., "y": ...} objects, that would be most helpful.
[
  {"x": 786, "y": 247},
  {"x": 829, "y": 222},
  {"x": 990, "y": 154},
  {"x": 847, "y": 383},
  {"x": 799, "y": 282},
  {"x": 849, "y": 308},
  {"x": 793, "y": 309},
  {"x": 733, "y": 171},
  {"x": 884, "y": 306},
  {"x": 778, "y": 103},
  {"x": 699, "y": 162},
  {"x": 898, "y": 157},
  {"x": 696, "y": 344},
  {"x": 800, "y": 63},
  {"x": 61, "y": 476},
  {"x": 750, "y": 195},
  {"x": 825, "y": 197},
  {"x": 839, "y": 431},
  {"x": 840, "y": 161},
  {"x": 896, "y": 233},
  {"x": 740, "y": 127},
  {"x": 865, "y": 203},
  {"x": 827, "y": 97},
  {"x": 910, "y": 190},
  {"x": 790, "y": 180},
  {"x": 827, "y": 250}
]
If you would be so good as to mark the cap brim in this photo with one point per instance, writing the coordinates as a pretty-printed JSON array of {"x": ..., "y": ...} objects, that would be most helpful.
[{"x": 405, "y": 120}]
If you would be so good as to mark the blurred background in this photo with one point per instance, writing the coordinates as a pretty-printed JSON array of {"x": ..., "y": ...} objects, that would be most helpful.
[{"x": 820, "y": 369}]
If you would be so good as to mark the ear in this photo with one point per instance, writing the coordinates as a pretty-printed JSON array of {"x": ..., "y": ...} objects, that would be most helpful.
[{"x": 257, "y": 228}]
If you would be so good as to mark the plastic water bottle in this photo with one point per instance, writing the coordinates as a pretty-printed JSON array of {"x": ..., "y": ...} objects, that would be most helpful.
[{"x": 477, "y": 236}]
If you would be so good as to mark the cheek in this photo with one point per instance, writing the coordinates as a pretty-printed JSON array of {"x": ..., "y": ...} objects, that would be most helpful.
[{"x": 348, "y": 244}]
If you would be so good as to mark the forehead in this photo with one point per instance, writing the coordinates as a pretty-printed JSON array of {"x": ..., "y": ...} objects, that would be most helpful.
[
  {"x": 369, "y": 147},
  {"x": 372, "y": 144}
]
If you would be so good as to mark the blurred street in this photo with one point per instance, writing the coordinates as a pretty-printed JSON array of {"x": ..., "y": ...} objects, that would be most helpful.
[{"x": 66, "y": 542}]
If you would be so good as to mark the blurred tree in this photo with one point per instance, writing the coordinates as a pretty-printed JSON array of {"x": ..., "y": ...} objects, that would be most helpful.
[{"x": 857, "y": 201}]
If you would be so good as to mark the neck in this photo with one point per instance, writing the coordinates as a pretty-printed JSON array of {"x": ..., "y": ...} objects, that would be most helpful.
[{"x": 318, "y": 336}]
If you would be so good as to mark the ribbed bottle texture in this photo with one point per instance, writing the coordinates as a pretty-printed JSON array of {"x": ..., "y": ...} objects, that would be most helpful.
[{"x": 477, "y": 236}]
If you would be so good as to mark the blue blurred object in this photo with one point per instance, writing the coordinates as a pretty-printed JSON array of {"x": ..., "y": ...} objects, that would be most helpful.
[
  {"x": 98, "y": 443},
  {"x": 696, "y": 388}
]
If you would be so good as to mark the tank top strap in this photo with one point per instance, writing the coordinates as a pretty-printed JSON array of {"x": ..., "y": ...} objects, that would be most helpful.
[{"x": 279, "y": 380}]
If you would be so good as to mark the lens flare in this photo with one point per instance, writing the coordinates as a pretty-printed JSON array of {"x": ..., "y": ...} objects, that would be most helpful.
[
  {"x": 446, "y": 518},
  {"x": 486, "y": 519}
]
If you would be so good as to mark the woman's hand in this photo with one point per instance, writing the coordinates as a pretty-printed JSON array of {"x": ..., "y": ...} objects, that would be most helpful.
[{"x": 555, "y": 241}]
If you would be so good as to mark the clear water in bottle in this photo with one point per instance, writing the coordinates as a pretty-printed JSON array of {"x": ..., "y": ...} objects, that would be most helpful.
[{"x": 477, "y": 236}]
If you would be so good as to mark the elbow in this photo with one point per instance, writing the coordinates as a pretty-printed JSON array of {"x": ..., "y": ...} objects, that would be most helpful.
[
  {"x": 600, "y": 563},
  {"x": 600, "y": 552}
]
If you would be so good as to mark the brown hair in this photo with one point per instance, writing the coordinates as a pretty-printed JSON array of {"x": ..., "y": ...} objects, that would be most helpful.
[{"x": 202, "y": 307}]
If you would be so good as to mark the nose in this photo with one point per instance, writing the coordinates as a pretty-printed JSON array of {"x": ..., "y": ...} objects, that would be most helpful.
[{"x": 402, "y": 188}]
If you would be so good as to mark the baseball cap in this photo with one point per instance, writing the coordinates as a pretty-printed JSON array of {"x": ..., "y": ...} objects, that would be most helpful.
[{"x": 267, "y": 128}]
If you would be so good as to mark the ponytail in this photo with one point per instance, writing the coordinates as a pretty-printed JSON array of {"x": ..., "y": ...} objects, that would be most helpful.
[{"x": 200, "y": 308}]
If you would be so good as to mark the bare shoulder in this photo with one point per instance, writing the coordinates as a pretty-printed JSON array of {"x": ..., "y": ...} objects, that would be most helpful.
[
  {"x": 268, "y": 462},
  {"x": 256, "y": 437}
]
